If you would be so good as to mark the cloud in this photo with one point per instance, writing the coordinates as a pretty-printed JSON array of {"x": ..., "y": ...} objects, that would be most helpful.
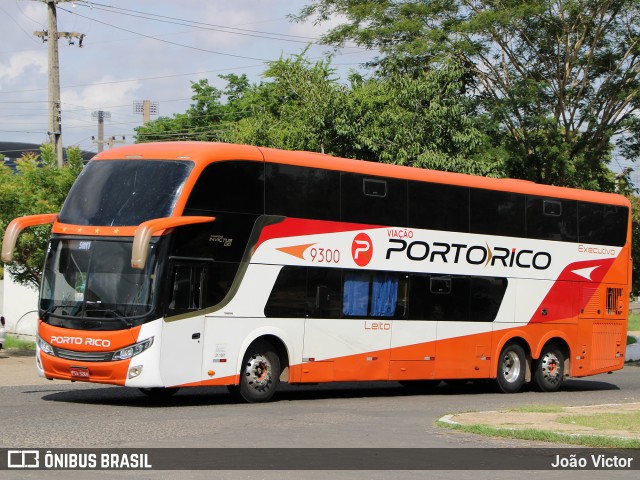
[
  {"x": 102, "y": 92},
  {"x": 22, "y": 63}
]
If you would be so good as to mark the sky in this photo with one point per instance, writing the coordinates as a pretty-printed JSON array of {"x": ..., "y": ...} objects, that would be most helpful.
[{"x": 140, "y": 50}]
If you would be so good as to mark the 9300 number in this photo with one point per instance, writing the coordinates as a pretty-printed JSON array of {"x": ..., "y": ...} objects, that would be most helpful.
[{"x": 325, "y": 255}]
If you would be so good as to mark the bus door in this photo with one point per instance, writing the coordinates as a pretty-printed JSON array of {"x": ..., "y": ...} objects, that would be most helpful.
[
  {"x": 464, "y": 308},
  {"x": 183, "y": 326},
  {"x": 348, "y": 330},
  {"x": 413, "y": 342}
]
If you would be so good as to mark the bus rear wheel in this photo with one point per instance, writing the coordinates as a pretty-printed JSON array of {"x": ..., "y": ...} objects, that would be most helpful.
[
  {"x": 549, "y": 370},
  {"x": 259, "y": 375},
  {"x": 511, "y": 368}
]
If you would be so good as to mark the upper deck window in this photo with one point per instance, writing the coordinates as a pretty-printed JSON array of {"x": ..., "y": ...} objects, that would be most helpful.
[
  {"x": 124, "y": 192},
  {"x": 230, "y": 186}
]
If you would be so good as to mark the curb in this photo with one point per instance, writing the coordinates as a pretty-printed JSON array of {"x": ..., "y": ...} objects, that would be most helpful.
[{"x": 632, "y": 353}]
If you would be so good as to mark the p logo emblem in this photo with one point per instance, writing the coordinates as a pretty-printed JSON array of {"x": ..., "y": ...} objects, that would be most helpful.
[{"x": 362, "y": 249}]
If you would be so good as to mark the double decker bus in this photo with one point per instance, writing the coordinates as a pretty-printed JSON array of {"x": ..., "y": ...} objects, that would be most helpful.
[{"x": 192, "y": 264}]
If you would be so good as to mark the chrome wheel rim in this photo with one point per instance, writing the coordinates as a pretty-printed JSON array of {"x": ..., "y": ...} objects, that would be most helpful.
[
  {"x": 511, "y": 367},
  {"x": 258, "y": 372},
  {"x": 550, "y": 368}
]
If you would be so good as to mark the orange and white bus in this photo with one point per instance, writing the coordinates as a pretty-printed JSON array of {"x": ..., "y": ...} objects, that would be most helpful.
[{"x": 190, "y": 264}]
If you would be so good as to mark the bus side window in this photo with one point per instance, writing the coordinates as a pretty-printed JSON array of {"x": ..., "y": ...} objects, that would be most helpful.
[
  {"x": 443, "y": 298},
  {"x": 438, "y": 207},
  {"x": 374, "y": 294},
  {"x": 552, "y": 219},
  {"x": 497, "y": 213},
  {"x": 602, "y": 224},
  {"x": 288, "y": 297},
  {"x": 187, "y": 287},
  {"x": 324, "y": 294},
  {"x": 302, "y": 192},
  {"x": 373, "y": 200}
]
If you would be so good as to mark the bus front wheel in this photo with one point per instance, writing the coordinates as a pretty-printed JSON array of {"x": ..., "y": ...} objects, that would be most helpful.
[
  {"x": 160, "y": 392},
  {"x": 511, "y": 368},
  {"x": 549, "y": 370},
  {"x": 259, "y": 375}
]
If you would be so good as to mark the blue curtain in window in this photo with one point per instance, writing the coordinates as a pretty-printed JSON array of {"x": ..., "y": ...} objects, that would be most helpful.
[
  {"x": 384, "y": 295},
  {"x": 356, "y": 294}
]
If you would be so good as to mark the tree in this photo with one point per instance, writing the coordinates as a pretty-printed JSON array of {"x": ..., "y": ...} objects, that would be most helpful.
[
  {"x": 295, "y": 109},
  {"x": 38, "y": 186},
  {"x": 206, "y": 119},
  {"x": 420, "y": 120},
  {"x": 557, "y": 80}
]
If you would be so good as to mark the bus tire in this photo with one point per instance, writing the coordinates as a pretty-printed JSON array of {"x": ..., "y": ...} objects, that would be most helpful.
[
  {"x": 549, "y": 369},
  {"x": 511, "y": 368},
  {"x": 159, "y": 392},
  {"x": 259, "y": 374}
]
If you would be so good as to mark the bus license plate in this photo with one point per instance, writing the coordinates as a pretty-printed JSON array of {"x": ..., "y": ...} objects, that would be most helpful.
[{"x": 80, "y": 372}]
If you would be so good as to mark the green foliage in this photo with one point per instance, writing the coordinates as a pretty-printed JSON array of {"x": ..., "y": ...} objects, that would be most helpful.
[
  {"x": 37, "y": 187},
  {"x": 531, "y": 434},
  {"x": 207, "y": 119},
  {"x": 18, "y": 344},
  {"x": 295, "y": 110},
  {"x": 635, "y": 243},
  {"x": 627, "y": 421},
  {"x": 557, "y": 81},
  {"x": 420, "y": 120}
]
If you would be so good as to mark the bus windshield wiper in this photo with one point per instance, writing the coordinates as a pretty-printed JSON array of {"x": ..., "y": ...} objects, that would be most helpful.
[
  {"x": 47, "y": 313},
  {"x": 111, "y": 311}
]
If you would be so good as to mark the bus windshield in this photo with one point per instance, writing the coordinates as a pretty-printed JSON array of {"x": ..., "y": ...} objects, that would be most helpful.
[
  {"x": 93, "y": 280},
  {"x": 124, "y": 193}
]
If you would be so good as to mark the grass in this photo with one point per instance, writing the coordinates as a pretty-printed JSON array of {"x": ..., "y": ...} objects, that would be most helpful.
[
  {"x": 628, "y": 422},
  {"x": 634, "y": 322},
  {"x": 631, "y": 340},
  {"x": 13, "y": 342},
  {"x": 597, "y": 441},
  {"x": 623, "y": 422}
]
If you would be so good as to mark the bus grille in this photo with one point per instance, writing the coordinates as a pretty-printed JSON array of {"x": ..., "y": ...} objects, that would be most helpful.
[{"x": 83, "y": 356}]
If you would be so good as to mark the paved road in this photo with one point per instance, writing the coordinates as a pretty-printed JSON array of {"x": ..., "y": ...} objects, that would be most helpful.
[{"x": 54, "y": 414}]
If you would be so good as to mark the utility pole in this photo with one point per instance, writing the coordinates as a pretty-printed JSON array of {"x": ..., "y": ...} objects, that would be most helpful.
[
  {"x": 113, "y": 140},
  {"x": 101, "y": 115},
  {"x": 55, "y": 112}
]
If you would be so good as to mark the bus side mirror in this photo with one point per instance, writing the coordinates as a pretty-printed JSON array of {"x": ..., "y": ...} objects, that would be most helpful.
[{"x": 16, "y": 226}]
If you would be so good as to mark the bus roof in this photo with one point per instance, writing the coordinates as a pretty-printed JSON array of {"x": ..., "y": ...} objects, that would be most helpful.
[{"x": 208, "y": 152}]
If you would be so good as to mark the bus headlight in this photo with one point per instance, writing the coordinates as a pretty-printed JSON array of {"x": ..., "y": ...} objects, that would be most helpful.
[
  {"x": 133, "y": 350},
  {"x": 44, "y": 346}
]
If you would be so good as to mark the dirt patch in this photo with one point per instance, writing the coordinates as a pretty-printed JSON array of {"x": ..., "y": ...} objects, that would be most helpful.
[{"x": 516, "y": 420}]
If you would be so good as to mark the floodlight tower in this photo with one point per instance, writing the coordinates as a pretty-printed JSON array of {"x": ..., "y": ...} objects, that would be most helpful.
[{"x": 146, "y": 108}]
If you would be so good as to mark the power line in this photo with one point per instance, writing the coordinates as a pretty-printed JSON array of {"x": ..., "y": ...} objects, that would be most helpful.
[
  {"x": 202, "y": 25},
  {"x": 165, "y": 41},
  {"x": 112, "y": 82}
]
